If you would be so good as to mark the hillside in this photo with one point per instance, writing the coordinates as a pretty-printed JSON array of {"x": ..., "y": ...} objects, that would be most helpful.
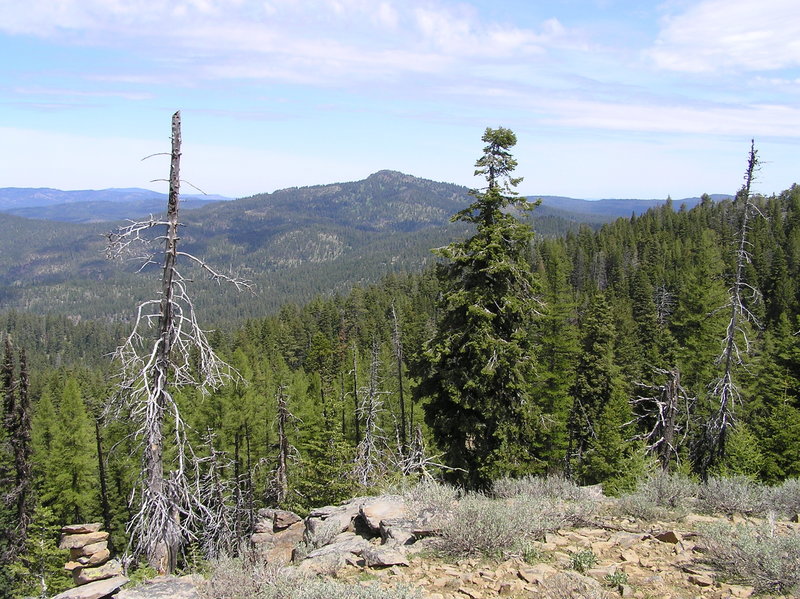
[{"x": 293, "y": 243}]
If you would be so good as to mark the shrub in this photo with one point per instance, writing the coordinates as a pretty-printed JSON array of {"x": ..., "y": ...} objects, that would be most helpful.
[
  {"x": 660, "y": 495},
  {"x": 737, "y": 494},
  {"x": 480, "y": 525},
  {"x": 571, "y": 503},
  {"x": 583, "y": 560},
  {"x": 755, "y": 555},
  {"x": 236, "y": 578},
  {"x": 785, "y": 499},
  {"x": 553, "y": 486},
  {"x": 430, "y": 495}
]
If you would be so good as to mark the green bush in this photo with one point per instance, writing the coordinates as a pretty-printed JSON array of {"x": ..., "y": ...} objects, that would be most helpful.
[
  {"x": 583, "y": 560},
  {"x": 755, "y": 555},
  {"x": 237, "y": 578}
]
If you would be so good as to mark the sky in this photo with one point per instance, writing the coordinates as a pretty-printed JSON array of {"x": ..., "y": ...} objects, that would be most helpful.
[{"x": 608, "y": 98}]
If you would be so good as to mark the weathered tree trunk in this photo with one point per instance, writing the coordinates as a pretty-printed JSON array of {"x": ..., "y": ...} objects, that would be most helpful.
[
  {"x": 355, "y": 393},
  {"x": 397, "y": 342},
  {"x": 281, "y": 476},
  {"x": 163, "y": 551}
]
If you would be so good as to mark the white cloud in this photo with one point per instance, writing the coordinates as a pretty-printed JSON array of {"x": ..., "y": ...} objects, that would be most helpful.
[
  {"x": 285, "y": 40},
  {"x": 730, "y": 34}
]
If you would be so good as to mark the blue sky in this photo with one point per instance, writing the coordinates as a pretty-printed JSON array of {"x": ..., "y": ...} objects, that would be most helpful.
[{"x": 608, "y": 98}]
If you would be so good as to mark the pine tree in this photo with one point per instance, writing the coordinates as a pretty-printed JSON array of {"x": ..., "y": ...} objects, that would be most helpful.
[
  {"x": 476, "y": 370},
  {"x": 70, "y": 488}
]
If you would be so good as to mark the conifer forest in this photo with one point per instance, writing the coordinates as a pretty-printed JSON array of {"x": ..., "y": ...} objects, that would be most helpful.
[{"x": 664, "y": 341}]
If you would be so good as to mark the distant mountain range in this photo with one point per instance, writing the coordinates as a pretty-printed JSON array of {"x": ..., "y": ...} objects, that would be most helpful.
[
  {"x": 87, "y": 206},
  {"x": 107, "y": 205},
  {"x": 293, "y": 243}
]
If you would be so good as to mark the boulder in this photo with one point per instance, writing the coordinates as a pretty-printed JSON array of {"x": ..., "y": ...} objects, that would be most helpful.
[
  {"x": 84, "y": 575},
  {"x": 375, "y": 509},
  {"x": 82, "y": 540},
  {"x": 344, "y": 543},
  {"x": 669, "y": 536},
  {"x": 537, "y": 574},
  {"x": 378, "y": 557},
  {"x": 284, "y": 519},
  {"x": 94, "y": 590},
  {"x": 397, "y": 531}
]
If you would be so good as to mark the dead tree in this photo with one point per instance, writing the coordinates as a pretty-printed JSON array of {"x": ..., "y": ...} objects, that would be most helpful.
[
  {"x": 285, "y": 450},
  {"x": 397, "y": 345},
  {"x": 220, "y": 514},
  {"x": 370, "y": 453},
  {"x": 736, "y": 342},
  {"x": 666, "y": 411},
  {"x": 151, "y": 367}
]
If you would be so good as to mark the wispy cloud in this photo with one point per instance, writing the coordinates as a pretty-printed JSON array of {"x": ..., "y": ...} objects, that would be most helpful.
[
  {"x": 730, "y": 34},
  {"x": 288, "y": 41}
]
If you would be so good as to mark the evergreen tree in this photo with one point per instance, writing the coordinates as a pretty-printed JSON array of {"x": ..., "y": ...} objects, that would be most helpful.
[
  {"x": 70, "y": 487},
  {"x": 476, "y": 370}
]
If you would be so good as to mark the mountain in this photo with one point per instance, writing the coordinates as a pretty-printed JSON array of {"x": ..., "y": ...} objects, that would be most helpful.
[
  {"x": 293, "y": 244},
  {"x": 85, "y": 206}
]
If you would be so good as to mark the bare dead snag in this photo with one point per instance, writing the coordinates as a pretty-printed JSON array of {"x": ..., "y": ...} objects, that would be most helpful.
[
  {"x": 666, "y": 411},
  {"x": 170, "y": 508},
  {"x": 736, "y": 342}
]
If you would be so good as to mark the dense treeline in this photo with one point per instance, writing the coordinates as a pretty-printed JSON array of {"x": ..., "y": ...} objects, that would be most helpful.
[{"x": 629, "y": 326}]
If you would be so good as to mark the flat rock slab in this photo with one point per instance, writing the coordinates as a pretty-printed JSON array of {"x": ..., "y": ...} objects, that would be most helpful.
[
  {"x": 82, "y": 540},
  {"x": 164, "y": 587},
  {"x": 79, "y": 529},
  {"x": 84, "y": 575},
  {"x": 382, "y": 508},
  {"x": 94, "y": 590},
  {"x": 379, "y": 557}
]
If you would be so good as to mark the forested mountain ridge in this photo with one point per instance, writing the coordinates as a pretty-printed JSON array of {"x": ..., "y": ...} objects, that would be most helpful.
[
  {"x": 293, "y": 244},
  {"x": 622, "y": 308}
]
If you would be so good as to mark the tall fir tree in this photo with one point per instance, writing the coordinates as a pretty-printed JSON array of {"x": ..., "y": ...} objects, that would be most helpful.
[
  {"x": 476, "y": 369},
  {"x": 70, "y": 487}
]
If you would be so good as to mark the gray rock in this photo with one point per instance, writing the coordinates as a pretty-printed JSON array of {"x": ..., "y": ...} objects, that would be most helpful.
[
  {"x": 165, "y": 587},
  {"x": 343, "y": 544},
  {"x": 94, "y": 590},
  {"x": 378, "y": 557},
  {"x": 388, "y": 507}
]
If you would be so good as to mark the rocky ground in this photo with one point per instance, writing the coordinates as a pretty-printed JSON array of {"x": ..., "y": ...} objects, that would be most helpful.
[{"x": 395, "y": 541}]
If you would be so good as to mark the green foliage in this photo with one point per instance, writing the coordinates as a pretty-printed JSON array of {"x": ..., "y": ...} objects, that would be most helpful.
[
  {"x": 583, "y": 561},
  {"x": 616, "y": 580},
  {"x": 475, "y": 370},
  {"x": 70, "y": 485},
  {"x": 39, "y": 569}
]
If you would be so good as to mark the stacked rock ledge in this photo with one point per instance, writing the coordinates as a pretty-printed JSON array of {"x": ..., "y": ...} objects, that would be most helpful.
[{"x": 94, "y": 573}]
